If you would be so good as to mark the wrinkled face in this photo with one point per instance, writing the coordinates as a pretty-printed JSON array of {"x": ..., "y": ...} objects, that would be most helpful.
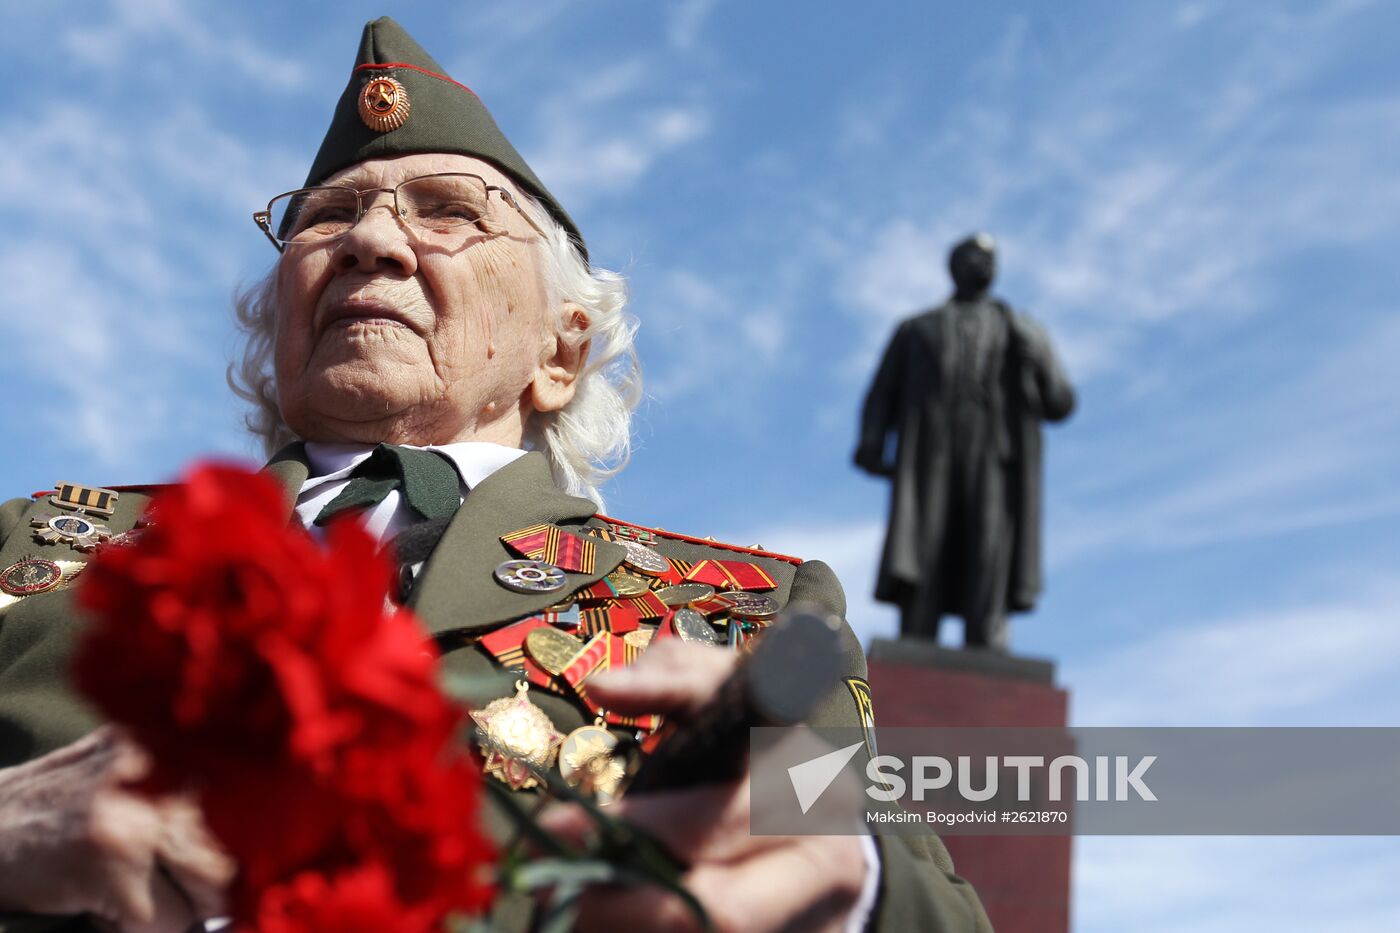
[{"x": 391, "y": 333}]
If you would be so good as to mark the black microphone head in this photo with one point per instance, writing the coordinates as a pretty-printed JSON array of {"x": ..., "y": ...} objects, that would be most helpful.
[{"x": 794, "y": 664}]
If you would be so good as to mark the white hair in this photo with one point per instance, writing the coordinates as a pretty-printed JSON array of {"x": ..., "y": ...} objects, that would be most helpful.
[{"x": 587, "y": 441}]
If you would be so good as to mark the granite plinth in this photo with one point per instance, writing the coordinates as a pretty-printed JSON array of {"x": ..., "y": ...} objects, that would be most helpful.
[{"x": 1024, "y": 881}]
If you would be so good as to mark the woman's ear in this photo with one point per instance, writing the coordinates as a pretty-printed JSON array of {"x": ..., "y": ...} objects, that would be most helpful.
[{"x": 563, "y": 359}]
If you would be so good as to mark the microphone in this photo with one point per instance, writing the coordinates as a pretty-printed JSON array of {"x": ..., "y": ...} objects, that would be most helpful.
[{"x": 794, "y": 663}]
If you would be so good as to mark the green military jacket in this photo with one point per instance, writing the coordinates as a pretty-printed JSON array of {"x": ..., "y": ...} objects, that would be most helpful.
[{"x": 457, "y": 598}]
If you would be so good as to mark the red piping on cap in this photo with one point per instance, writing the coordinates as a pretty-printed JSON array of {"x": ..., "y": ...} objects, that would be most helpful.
[{"x": 425, "y": 71}]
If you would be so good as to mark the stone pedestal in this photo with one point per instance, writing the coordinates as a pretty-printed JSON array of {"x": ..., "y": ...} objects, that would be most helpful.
[{"x": 1024, "y": 881}]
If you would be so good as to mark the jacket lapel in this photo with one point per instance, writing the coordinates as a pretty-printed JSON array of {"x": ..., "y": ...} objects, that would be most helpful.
[
  {"x": 288, "y": 466},
  {"x": 458, "y": 590}
]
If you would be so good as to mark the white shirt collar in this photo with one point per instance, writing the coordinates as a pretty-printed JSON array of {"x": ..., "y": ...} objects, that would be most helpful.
[{"x": 474, "y": 460}]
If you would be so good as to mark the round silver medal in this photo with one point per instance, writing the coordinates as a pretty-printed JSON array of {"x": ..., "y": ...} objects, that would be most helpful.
[
  {"x": 642, "y": 558},
  {"x": 750, "y": 605},
  {"x": 692, "y": 627},
  {"x": 530, "y": 576},
  {"x": 683, "y": 594}
]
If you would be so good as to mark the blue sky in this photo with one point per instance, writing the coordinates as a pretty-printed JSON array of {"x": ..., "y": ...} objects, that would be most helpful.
[{"x": 1201, "y": 200}]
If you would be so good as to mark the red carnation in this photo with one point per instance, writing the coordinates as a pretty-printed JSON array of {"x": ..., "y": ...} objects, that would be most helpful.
[{"x": 272, "y": 675}]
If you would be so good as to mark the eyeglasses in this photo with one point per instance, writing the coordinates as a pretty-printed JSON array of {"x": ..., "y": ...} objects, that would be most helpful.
[{"x": 445, "y": 202}]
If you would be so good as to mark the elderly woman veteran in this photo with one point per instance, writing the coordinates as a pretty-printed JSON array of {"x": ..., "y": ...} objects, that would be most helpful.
[{"x": 432, "y": 319}]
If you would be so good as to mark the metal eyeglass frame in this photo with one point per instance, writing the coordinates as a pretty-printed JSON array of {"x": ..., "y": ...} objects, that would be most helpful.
[{"x": 263, "y": 218}]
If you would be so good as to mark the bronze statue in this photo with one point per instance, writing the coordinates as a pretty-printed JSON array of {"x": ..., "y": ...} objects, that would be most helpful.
[{"x": 961, "y": 392}]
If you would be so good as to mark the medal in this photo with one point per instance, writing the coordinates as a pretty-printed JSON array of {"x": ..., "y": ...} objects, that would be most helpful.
[
  {"x": 516, "y": 736},
  {"x": 552, "y": 649},
  {"x": 639, "y": 638},
  {"x": 34, "y": 575},
  {"x": 643, "y": 559},
  {"x": 683, "y": 594},
  {"x": 530, "y": 576},
  {"x": 586, "y": 761},
  {"x": 78, "y": 531},
  {"x": 507, "y": 646},
  {"x": 753, "y": 606},
  {"x": 31, "y": 576},
  {"x": 626, "y": 584},
  {"x": 692, "y": 627}
]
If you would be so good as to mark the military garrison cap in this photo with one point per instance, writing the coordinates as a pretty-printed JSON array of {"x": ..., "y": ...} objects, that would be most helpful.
[{"x": 399, "y": 100}]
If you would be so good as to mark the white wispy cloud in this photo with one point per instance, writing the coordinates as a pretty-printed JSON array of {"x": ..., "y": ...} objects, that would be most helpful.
[
  {"x": 1222, "y": 884},
  {"x": 1288, "y": 455},
  {"x": 701, "y": 327},
  {"x": 685, "y": 20},
  {"x": 1326, "y": 661},
  {"x": 584, "y": 157},
  {"x": 1154, "y": 199},
  {"x": 133, "y": 218},
  {"x": 850, "y": 548},
  {"x": 133, "y": 27}
]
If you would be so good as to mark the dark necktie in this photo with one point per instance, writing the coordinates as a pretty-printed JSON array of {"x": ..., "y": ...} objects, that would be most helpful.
[
  {"x": 410, "y": 547},
  {"x": 427, "y": 480}
]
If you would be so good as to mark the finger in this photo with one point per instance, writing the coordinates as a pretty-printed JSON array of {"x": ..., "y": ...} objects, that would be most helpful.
[
  {"x": 130, "y": 763},
  {"x": 90, "y": 755},
  {"x": 671, "y": 678},
  {"x": 172, "y": 913},
  {"x": 193, "y": 858},
  {"x": 810, "y": 883},
  {"x": 607, "y": 909},
  {"x": 124, "y": 830},
  {"x": 702, "y": 824}
]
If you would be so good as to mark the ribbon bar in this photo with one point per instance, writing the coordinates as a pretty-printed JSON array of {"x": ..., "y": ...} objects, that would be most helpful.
[
  {"x": 553, "y": 545},
  {"x": 731, "y": 575}
]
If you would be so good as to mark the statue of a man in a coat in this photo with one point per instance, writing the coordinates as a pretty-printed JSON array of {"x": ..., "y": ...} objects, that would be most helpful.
[{"x": 963, "y": 389}]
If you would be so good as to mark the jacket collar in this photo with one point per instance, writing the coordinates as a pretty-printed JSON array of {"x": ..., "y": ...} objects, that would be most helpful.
[{"x": 457, "y": 591}]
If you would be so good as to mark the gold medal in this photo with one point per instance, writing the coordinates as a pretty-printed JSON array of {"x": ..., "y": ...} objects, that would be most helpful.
[
  {"x": 516, "y": 736},
  {"x": 586, "y": 761},
  {"x": 552, "y": 649},
  {"x": 640, "y": 637},
  {"x": 33, "y": 576},
  {"x": 626, "y": 584}
]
